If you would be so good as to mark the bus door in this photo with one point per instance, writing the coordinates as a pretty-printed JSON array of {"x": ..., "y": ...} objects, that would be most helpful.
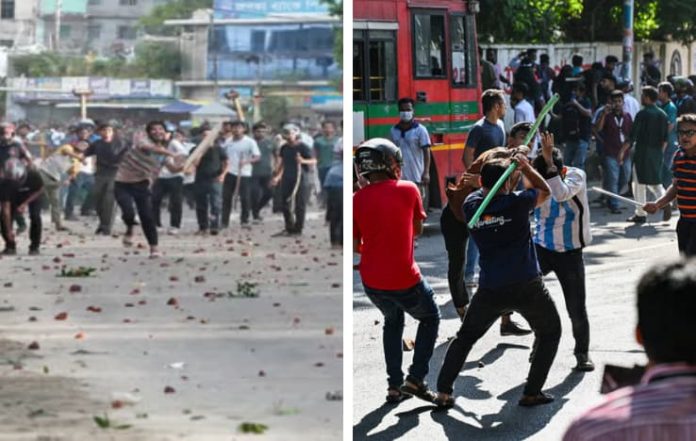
[{"x": 375, "y": 78}]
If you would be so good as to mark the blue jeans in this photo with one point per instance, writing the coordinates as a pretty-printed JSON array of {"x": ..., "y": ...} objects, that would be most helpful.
[
  {"x": 471, "y": 267},
  {"x": 575, "y": 153},
  {"x": 418, "y": 302},
  {"x": 667, "y": 165},
  {"x": 615, "y": 177}
]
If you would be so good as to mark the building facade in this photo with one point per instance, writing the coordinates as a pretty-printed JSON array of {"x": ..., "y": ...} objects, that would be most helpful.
[
  {"x": 103, "y": 27},
  {"x": 18, "y": 23}
]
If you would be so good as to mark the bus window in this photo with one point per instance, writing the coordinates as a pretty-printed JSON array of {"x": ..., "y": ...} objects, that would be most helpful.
[
  {"x": 429, "y": 45},
  {"x": 376, "y": 80},
  {"x": 463, "y": 56}
]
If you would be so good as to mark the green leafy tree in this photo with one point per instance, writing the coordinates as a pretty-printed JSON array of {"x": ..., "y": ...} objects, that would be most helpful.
[
  {"x": 154, "y": 22},
  {"x": 158, "y": 60},
  {"x": 550, "y": 21},
  {"x": 274, "y": 110}
]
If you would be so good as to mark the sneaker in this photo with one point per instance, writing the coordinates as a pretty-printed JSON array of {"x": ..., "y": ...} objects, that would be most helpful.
[
  {"x": 202, "y": 233},
  {"x": 71, "y": 217},
  {"x": 284, "y": 233},
  {"x": 214, "y": 232},
  {"x": 257, "y": 220},
  {"x": 173, "y": 231},
  {"x": 9, "y": 252},
  {"x": 512, "y": 328},
  {"x": 246, "y": 225},
  {"x": 584, "y": 363},
  {"x": 61, "y": 228},
  {"x": 667, "y": 213},
  {"x": 34, "y": 251},
  {"x": 637, "y": 219}
]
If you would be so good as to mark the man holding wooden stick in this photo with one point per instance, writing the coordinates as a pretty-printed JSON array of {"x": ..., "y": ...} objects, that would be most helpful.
[{"x": 510, "y": 279}]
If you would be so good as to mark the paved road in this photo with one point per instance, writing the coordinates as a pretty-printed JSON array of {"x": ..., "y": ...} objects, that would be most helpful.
[
  {"x": 124, "y": 342},
  {"x": 486, "y": 406}
]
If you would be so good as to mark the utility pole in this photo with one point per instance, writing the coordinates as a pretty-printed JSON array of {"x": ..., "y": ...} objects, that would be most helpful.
[
  {"x": 627, "y": 59},
  {"x": 56, "y": 37}
]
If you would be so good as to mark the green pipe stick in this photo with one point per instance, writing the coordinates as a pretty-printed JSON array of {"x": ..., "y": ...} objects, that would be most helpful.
[{"x": 547, "y": 108}]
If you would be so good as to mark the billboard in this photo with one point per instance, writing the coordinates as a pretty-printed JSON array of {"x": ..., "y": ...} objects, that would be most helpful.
[
  {"x": 263, "y": 8},
  {"x": 101, "y": 87}
]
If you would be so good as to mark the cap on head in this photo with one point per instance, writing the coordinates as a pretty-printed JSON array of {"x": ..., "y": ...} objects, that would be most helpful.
[
  {"x": 291, "y": 129},
  {"x": 378, "y": 155}
]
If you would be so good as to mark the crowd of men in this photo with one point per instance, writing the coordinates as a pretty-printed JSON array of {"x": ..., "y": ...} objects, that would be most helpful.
[
  {"x": 654, "y": 147},
  {"x": 96, "y": 167}
]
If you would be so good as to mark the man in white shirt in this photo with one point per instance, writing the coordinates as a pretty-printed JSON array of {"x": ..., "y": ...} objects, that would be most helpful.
[
  {"x": 242, "y": 152},
  {"x": 524, "y": 111},
  {"x": 631, "y": 104}
]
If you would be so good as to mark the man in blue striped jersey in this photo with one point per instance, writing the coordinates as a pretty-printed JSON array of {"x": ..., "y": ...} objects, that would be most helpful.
[{"x": 562, "y": 231}]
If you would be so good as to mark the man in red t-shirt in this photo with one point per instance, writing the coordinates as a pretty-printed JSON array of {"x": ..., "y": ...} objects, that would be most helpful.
[{"x": 387, "y": 215}]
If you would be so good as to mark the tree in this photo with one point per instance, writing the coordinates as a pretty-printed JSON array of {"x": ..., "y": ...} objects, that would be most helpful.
[
  {"x": 158, "y": 60},
  {"x": 274, "y": 110},
  {"x": 549, "y": 21},
  {"x": 154, "y": 23}
]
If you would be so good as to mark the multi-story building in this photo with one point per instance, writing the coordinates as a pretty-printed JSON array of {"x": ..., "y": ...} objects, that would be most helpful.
[
  {"x": 104, "y": 27},
  {"x": 18, "y": 23}
]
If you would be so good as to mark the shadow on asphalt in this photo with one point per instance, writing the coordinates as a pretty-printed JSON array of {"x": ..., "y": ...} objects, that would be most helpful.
[{"x": 513, "y": 421}]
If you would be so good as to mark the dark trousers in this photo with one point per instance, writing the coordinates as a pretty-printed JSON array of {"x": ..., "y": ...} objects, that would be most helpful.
[
  {"x": 104, "y": 201},
  {"x": 418, "y": 302},
  {"x": 228, "y": 189},
  {"x": 34, "y": 219},
  {"x": 261, "y": 194},
  {"x": 294, "y": 209},
  {"x": 137, "y": 193},
  {"x": 80, "y": 188},
  {"x": 686, "y": 237},
  {"x": 174, "y": 188},
  {"x": 532, "y": 300},
  {"x": 569, "y": 267},
  {"x": 456, "y": 237},
  {"x": 208, "y": 196},
  {"x": 334, "y": 214}
]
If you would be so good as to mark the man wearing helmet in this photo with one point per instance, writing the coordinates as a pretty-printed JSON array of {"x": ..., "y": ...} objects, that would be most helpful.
[
  {"x": 21, "y": 189},
  {"x": 295, "y": 159},
  {"x": 387, "y": 215}
]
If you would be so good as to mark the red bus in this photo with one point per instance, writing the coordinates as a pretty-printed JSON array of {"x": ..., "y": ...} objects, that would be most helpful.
[{"x": 425, "y": 50}]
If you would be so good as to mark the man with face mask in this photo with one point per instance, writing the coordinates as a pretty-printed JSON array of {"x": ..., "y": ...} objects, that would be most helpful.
[{"x": 413, "y": 140}]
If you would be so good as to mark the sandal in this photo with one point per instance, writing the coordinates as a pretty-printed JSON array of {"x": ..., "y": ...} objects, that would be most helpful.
[
  {"x": 395, "y": 398},
  {"x": 535, "y": 400},
  {"x": 418, "y": 389},
  {"x": 446, "y": 403}
]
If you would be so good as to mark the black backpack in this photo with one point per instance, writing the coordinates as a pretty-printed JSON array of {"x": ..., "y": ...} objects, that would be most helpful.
[{"x": 570, "y": 122}]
